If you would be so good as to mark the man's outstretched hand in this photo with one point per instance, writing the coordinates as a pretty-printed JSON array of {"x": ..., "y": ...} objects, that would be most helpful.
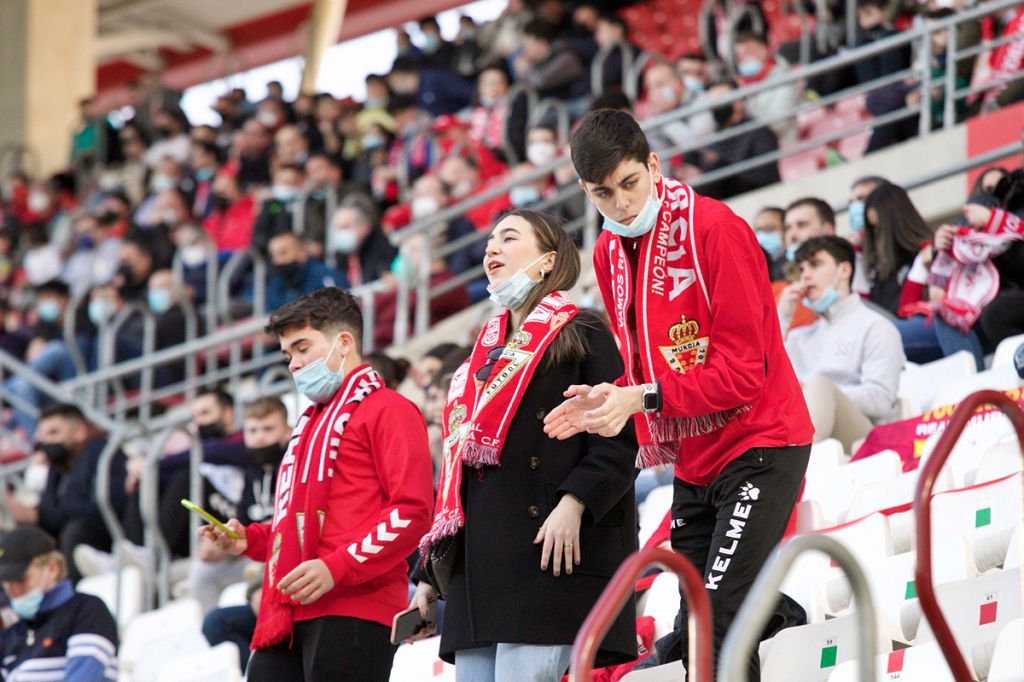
[{"x": 602, "y": 409}]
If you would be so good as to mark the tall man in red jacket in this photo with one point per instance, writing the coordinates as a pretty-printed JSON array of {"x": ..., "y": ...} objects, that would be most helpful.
[
  {"x": 353, "y": 498},
  {"x": 707, "y": 383}
]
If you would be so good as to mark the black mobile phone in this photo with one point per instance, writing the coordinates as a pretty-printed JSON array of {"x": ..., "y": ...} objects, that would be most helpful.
[{"x": 410, "y": 623}]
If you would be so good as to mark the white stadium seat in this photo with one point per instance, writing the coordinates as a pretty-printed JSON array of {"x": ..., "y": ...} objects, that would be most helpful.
[
  {"x": 810, "y": 653},
  {"x": 175, "y": 629},
  {"x": 418, "y": 662},
  {"x": 662, "y": 603},
  {"x": 233, "y": 595},
  {"x": 217, "y": 664},
  {"x": 1004, "y": 351},
  {"x": 657, "y": 504},
  {"x": 869, "y": 541},
  {"x": 828, "y": 454},
  {"x": 975, "y": 440},
  {"x": 834, "y": 488},
  {"x": 955, "y": 390},
  {"x": 922, "y": 663},
  {"x": 1001, "y": 459},
  {"x": 104, "y": 586},
  {"x": 977, "y": 609},
  {"x": 669, "y": 672},
  {"x": 985, "y": 515},
  {"x": 1008, "y": 656},
  {"x": 919, "y": 384}
]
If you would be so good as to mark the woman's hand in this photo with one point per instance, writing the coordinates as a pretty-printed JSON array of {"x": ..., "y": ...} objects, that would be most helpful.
[
  {"x": 943, "y": 240},
  {"x": 566, "y": 420},
  {"x": 233, "y": 546},
  {"x": 560, "y": 534}
]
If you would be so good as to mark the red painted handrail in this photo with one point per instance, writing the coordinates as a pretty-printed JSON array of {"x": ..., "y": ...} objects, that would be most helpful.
[
  {"x": 614, "y": 597},
  {"x": 923, "y": 516}
]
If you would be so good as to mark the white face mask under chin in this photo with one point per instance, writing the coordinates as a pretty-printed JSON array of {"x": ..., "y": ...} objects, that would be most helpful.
[{"x": 513, "y": 292}]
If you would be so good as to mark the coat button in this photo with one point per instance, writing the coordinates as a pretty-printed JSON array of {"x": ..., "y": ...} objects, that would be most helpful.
[
  {"x": 535, "y": 463},
  {"x": 541, "y": 414},
  {"x": 533, "y": 511}
]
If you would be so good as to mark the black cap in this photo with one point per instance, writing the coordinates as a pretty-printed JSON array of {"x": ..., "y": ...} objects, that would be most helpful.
[{"x": 19, "y": 547}]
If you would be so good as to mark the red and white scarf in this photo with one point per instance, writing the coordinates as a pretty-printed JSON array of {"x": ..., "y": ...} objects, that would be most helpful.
[
  {"x": 673, "y": 319},
  {"x": 967, "y": 273},
  {"x": 478, "y": 414},
  {"x": 303, "y": 484}
]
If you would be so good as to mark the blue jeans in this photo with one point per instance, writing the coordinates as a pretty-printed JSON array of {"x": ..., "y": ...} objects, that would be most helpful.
[
  {"x": 231, "y": 624},
  {"x": 53, "y": 362},
  {"x": 650, "y": 478},
  {"x": 513, "y": 663},
  {"x": 925, "y": 341}
]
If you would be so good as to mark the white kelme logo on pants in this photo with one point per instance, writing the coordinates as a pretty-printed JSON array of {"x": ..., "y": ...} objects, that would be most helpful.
[{"x": 740, "y": 514}]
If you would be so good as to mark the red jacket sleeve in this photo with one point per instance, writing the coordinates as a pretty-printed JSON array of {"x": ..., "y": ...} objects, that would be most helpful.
[
  {"x": 734, "y": 373},
  {"x": 257, "y": 539},
  {"x": 401, "y": 456}
]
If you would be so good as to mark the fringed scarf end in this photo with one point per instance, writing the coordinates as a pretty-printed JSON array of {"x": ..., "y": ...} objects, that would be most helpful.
[
  {"x": 709, "y": 423},
  {"x": 476, "y": 455},
  {"x": 653, "y": 455}
]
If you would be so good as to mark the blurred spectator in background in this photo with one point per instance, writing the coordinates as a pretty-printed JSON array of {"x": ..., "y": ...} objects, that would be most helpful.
[
  {"x": 60, "y": 634},
  {"x": 277, "y": 214},
  {"x": 663, "y": 92},
  {"x": 873, "y": 24},
  {"x": 392, "y": 370},
  {"x": 548, "y": 65},
  {"x": 232, "y": 215},
  {"x": 894, "y": 234},
  {"x": 768, "y": 228},
  {"x": 744, "y": 146},
  {"x": 265, "y": 435},
  {"x": 294, "y": 273},
  {"x": 610, "y": 38},
  {"x": 171, "y": 140},
  {"x": 755, "y": 63},
  {"x": 357, "y": 245},
  {"x": 849, "y": 360},
  {"x": 987, "y": 181},
  {"x": 67, "y": 508},
  {"x": 206, "y": 158}
]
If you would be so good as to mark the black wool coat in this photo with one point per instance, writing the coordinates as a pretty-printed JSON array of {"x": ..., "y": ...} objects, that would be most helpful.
[{"x": 498, "y": 592}]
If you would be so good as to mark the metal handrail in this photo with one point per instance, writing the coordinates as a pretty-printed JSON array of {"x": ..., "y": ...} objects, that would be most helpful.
[
  {"x": 110, "y": 518},
  {"x": 540, "y": 110},
  {"x": 614, "y": 597},
  {"x": 108, "y": 353},
  {"x": 633, "y": 70},
  {"x": 259, "y": 294},
  {"x": 68, "y": 329},
  {"x": 508, "y": 101},
  {"x": 757, "y": 608},
  {"x": 923, "y": 516}
]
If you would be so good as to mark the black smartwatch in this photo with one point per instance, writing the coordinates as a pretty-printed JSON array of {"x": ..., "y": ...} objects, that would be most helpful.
[{"x": 652, "y": 397}]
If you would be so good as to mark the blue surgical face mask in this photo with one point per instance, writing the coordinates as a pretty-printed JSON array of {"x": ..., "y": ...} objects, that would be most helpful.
[
  {"x": 431, "y": 43},
  {"x": 48, "y": 310},
  {"x": 827, "y": 299},
  {"x": 284, "y": 193},
  {"x": 100, "y": 310},
  {"x": 513, "y": 292},
  {"x": 770, "y": 242},
  {"x": 204, "y": 174},
  {"x": 159, "y": 300},
  {"x": 316, "y": 381},
  {"x": 693, "y": 84},
  {"x": 791, "y": 252},
  {"x": 27, "y": 605},
  {"x": 523, "y": 195},
  {"x": 856, "y": 209},
  {"x": 749, "y": 68},
  {"x": 644, "y": 221}
]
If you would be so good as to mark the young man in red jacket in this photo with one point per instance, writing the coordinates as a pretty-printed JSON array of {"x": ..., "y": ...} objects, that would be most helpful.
[
  {"x": 353, "y": 498},
  {"x": 708, "y": 383}
]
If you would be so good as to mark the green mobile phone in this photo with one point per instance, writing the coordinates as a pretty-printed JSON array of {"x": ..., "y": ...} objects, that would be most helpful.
[{"x": 193, "y": 507}]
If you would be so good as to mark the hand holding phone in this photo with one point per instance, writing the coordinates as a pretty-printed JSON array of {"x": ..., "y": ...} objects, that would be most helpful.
[
  {"x": 409, "y": 625},
  {"x": 210, "y": 518}
]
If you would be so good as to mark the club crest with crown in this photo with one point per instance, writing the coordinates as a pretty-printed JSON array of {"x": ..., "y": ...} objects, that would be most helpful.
[{"x": 687, "y": 349}]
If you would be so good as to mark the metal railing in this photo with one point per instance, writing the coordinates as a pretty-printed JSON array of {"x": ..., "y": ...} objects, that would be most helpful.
[
  {"x": 615, "y": 596},
  {"x": 742, "y": 639},
  {"x": 923, "y": 517}
]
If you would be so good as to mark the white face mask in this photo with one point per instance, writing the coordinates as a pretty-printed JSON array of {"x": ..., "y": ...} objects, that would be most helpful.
[
  {"x": 344, "y": 241},
  {"x": 541, "y": 153},
  {"x": 513, "y": 292},
  {"x": 424, "y": 206},
  {"x": 644, "y": 220}
]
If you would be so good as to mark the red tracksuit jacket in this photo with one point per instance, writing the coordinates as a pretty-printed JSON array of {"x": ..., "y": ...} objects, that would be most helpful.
[{"x": 381, "y": 501}]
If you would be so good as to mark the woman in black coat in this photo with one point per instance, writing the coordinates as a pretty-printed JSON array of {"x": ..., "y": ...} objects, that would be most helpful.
[{"x": 539, "y": 533}]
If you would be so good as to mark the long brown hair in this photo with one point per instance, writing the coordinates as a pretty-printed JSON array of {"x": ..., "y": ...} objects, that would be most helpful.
[
  {"x": 570, "y": 343},
  {"x": 899, "y": 233}
]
